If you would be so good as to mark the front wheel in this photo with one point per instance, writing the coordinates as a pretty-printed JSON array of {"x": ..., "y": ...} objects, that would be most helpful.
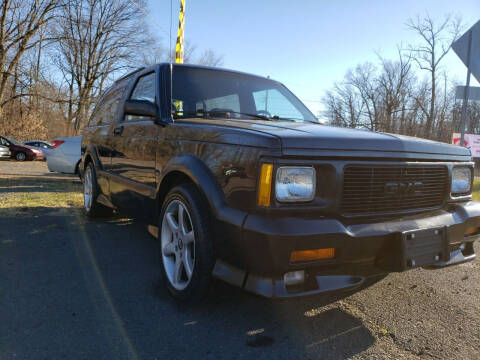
[
  {"x": 20, "y": 156},
  {"x": 186, "y": 249}
]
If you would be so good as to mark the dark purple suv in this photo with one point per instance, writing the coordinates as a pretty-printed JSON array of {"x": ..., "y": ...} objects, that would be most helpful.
[{"x": 244, "y": 184}]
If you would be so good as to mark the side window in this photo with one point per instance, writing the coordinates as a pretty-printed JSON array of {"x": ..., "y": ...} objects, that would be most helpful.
[
  {"x": 111, "y": 107},
  {"x": 96, "y": 115},
  {"x": 107, "y": 110},
  {"x": 145, "y": 88},
  {"x": 3, "y": 142}
]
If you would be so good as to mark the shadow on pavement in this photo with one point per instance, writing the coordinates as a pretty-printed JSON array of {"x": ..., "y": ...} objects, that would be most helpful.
[{"x": 75, "y": 288}]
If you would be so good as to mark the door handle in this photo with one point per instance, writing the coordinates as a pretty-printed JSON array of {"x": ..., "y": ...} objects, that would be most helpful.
[{"x": 118, "y": 130}]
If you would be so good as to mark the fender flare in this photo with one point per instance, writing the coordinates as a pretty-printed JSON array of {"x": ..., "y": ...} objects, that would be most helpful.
[
  {"x": 200, "y": 175},
  {"x": 92, "y": 152}
]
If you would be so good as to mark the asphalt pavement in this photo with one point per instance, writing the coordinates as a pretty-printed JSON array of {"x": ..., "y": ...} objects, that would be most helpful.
[{"x": 73, "y": 288}]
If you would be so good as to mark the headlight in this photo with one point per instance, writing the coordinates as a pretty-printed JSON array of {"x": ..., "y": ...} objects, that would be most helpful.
[
  {"x": 461, "y": 180},
  {"x": 295, "y": 183}
]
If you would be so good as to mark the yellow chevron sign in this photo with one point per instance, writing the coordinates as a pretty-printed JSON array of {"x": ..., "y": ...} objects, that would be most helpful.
[{"x": 180, "y": 34}]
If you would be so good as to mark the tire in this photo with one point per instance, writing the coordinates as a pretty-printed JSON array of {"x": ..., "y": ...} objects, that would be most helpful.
[
  {"x": 20, "y": 156},
  {"x": 186, "y": 250},
  {"x": 90, "y": 194},
  {"x": 77, "y": 171}
]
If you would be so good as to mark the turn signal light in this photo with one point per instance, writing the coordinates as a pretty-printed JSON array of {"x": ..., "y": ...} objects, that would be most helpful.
[
  {"x": 265, "y": 187},
  {"x": 311, "y": 255}
]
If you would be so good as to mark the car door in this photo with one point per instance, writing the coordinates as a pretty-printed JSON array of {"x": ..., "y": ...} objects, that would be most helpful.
[
  {"x": 98, "y": 132},
  {"x": 134, "y": 140}
]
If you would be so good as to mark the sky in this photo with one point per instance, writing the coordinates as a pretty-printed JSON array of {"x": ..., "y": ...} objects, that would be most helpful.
[{"x": 307, "y": 45}]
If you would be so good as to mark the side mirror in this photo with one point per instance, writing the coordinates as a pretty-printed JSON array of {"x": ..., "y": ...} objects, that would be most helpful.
[{"x": 140, "y": 108}]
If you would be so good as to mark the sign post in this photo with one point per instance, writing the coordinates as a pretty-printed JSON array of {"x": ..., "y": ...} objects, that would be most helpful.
[
  {"x": 467, "y": 90},
  {"x": 467, "y": 47}
]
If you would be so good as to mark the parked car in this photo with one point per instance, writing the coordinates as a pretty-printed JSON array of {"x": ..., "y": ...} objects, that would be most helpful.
[
  {"x": 21, "y": 152},
  {"x": 245, "y": 185},
  {"x": 4, "y": 152},
  {"x": 64, "y": 155},
  {"x": 43, "y": 146}
]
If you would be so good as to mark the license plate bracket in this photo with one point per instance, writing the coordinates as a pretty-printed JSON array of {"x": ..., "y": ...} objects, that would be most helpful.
[{"x": 423, "y": 247}]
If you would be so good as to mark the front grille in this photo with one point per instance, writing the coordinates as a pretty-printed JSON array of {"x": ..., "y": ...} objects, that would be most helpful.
[{"x": 387, "y": 189}]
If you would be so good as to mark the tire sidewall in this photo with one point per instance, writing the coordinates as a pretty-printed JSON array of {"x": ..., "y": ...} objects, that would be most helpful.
[
  {"x": 95, "y": 191},
  {"x": 202, "y": 267}
]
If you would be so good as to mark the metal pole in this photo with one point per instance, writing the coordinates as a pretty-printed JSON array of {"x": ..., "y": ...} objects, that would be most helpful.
[
  {"x": 467, "y": 91},
  {"x": 179, "y": 47}
]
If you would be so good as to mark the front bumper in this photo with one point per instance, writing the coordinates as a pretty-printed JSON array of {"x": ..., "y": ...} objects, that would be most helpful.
[{"x": 259, "y": 257}]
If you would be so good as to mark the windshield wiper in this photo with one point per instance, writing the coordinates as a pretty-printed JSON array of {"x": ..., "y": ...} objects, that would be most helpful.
[
  {"x": 276, "y": 117},
  {"x": 256, "y": 116},
  {"x": 219, "y": 113},
  {"x": 226, "y": 113}
]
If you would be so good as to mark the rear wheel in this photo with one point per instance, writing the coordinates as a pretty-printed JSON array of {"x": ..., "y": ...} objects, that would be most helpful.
[
  {"x": 186, "y": 249},
  {"x": 20, "y": 156},
  {"x": 90, "y": 194}
]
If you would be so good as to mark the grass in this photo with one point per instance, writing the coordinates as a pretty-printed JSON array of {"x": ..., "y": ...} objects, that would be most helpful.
[{"x": 25, "y": 194}]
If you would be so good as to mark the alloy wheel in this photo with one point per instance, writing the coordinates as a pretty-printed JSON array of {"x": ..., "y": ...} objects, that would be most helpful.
[
  {"x": 88, "y": 190},
  {"x": 177, "y": 241}
]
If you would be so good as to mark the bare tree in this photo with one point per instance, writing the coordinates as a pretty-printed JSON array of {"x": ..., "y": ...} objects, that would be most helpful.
[
  {"x": 207, "y": 57},
  {"x": 363, "y": 78},
  {"x": 437, "y": 39},
  {"x": 97, "y": 38},
  {"x": 344, "y": 105},
  {"x": 19, "y": 23},
  {"x": 393, "y": 86}
]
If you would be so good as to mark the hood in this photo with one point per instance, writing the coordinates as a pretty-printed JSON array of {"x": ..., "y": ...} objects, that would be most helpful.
[{"x": 317, "y": 139}]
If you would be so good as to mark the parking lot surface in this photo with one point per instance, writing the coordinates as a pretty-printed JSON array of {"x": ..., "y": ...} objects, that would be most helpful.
[{"x": 73, "y": 288}]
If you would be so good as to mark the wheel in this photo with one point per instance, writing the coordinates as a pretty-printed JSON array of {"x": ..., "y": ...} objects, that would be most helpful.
[
  {"x": 90, "y": 194},
  {"x": 20, "y": 156},
  {"x": 186, "y": 248}
]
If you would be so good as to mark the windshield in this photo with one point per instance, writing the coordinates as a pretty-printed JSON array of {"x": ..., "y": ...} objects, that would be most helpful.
[
  {"x": 14, "y": 142},
  {"x": 217, "y": 93}
]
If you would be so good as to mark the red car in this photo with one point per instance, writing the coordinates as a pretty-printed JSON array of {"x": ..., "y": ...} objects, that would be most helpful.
[{"x": 21, "y": 152}]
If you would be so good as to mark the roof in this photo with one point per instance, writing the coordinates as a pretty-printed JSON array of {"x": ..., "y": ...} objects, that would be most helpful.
[{"x": 194, "y": 66}]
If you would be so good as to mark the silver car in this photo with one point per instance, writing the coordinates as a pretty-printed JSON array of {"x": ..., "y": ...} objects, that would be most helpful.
[
  {"x": 4, "y": 152},
  {"x": 64, "y": 155}
]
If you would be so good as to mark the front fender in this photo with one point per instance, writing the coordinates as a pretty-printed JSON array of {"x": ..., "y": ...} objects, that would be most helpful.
[{"x": 205, "y": 180}]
